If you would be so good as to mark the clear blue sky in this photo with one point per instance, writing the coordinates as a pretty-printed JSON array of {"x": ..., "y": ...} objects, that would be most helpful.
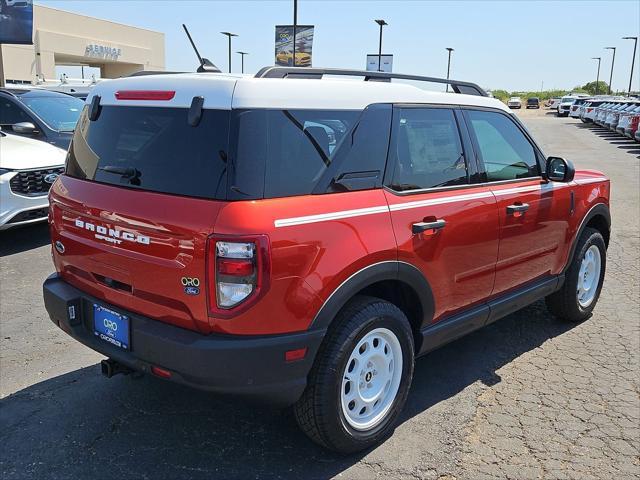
[{"x": 504, "y": 44}]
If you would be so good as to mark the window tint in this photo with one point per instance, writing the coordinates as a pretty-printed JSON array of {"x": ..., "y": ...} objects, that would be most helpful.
[
  {"x": 363, "y": 154},
  {"x": 285, "y": 152},
  {"x": 506, "y": 152},
  {"x": 10, "y": 113},
  {"x": 428, "y": 152},
  {"x": 153, "y": 149}
]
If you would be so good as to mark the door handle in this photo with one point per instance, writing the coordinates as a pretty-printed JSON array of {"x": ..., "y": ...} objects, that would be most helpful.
[
  {"x": 517, "y": 209},
  {"x": 432, "y": 227}
]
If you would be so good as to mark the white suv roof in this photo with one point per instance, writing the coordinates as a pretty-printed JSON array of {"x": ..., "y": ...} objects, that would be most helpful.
[{"x": 227, "y": 91}]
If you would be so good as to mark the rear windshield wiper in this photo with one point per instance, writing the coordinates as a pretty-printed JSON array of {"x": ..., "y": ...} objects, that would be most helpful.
[
  {"x": 123, "y": 171},
  {"x": 133, "y": 174}
]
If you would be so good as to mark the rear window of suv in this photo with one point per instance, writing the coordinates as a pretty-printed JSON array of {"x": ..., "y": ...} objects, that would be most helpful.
[
  {"x": 233, "y": 155},
  {"x": 153, "y": 149}
]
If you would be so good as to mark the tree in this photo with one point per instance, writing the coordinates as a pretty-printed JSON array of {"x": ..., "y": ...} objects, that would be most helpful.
[
  {"x": 590, "y": 87},
  {"x": 501, "y": 94}
]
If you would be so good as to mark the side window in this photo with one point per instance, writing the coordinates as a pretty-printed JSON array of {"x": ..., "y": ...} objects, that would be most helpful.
[
  {"x": 505, "y": 151},
  {"x": 284, "y": 153},
  {"x": 10, "y": 113},
  {"x": 428, "y": 151},
  {"x": 301, "y": 145},
  {"x": 361, "y": 160}
]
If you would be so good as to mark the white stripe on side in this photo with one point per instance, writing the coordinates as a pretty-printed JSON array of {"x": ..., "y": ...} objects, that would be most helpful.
[
  {"x": 592, "y": 180},
  {"x": 323, "y": 217},
  {"x": 439, "y": 201}
]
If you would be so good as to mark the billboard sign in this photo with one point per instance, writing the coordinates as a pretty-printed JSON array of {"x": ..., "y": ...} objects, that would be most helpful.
[
  {"x": 284, "y": 45},
  {"x": 16, "y": 22},
  {"x": 386, "y": 63}
]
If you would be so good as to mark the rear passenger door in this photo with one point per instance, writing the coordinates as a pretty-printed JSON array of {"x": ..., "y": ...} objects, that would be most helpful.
[
  {"x": 533, "y": 213},
  {"x": 445, "y": 222}
]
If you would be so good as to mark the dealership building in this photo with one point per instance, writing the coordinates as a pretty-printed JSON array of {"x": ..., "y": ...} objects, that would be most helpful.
[{"x": 64, "y": 38}]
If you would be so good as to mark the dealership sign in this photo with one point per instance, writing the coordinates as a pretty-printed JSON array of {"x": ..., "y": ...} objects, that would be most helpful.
[
  {"x": 284, "y": 45},
  {"x": 382, "y": 63},
  {"x": 101, "y": 51},
  {"x": 16, "y": 22}
]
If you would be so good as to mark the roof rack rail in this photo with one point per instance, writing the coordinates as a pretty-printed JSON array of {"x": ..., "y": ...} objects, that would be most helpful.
[
  {"x": 467, "y": 88},
  {"x": 144, "y": 73}
]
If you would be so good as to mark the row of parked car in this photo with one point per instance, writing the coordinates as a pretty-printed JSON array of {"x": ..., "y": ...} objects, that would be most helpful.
[
  {"x": 36, "y": 126},
  {"x": 564, "y": 105},
  {"x": 618, "y": 115}
]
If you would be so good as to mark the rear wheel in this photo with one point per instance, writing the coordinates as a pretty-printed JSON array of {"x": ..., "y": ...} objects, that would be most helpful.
[
  {"x": 361, "y": 377},
  {"x": 583, "y": 280}
]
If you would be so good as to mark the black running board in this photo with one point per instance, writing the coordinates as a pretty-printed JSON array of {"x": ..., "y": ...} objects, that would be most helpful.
[{"x": 454, "y": 327}]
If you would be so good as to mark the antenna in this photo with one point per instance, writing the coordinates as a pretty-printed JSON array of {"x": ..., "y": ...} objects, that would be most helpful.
[{"x": 205, "y": 64}]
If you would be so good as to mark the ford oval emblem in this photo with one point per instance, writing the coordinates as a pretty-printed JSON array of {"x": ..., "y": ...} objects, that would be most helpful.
[
  {"x": 191, "y": 290},
  {"x": 59, "y": 246},
  {"x": 51, "y": 178}
]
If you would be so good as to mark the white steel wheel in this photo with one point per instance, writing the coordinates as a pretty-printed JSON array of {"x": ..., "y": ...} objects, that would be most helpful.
[
  {"x": 371, "y": 379},
  {"x": 589, "y": 276}
]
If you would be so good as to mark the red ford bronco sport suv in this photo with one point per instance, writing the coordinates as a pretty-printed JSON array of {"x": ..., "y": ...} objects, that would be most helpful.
[{"x": 301, "y": 239}]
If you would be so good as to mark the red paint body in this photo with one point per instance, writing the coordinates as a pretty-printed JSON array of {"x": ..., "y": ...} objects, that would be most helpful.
[{"x": 481, "y": 253}]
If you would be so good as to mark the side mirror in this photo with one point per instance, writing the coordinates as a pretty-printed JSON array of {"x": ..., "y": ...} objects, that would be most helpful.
[
  {"x": 25, "y": 128},
  {"x": 560, "y": 170}
]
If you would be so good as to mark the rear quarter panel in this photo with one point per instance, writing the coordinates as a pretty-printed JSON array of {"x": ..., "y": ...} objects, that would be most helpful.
[{"x": 312, "y": 252}]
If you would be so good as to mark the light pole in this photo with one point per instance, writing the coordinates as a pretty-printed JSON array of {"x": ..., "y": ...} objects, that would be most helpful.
[
  {"x": 242, "y": 54},
  {"x": 382, "y": 23},
  {"x": 449, "y": 49},
  {"x": 598, "y": 75},
  {"x": 635, "y": 44},
  {"x": 229, "y": 35},
  {"x": 613, "y": 60},
  {"x": 295, "y": 27}
]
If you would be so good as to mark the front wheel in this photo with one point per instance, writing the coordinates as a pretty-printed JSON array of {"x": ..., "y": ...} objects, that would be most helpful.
[
  {"x": 361, "y": 377},
  {"x": 583, "y": 280}
]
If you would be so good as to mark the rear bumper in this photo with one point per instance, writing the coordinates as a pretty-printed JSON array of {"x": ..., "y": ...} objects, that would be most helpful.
[{"x": 252, "y": 367}]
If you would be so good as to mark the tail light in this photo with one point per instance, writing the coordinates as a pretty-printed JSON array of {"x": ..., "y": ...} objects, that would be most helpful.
[
  {"x": 589, "y": 110},
  {"x": 238, "y": 273}
]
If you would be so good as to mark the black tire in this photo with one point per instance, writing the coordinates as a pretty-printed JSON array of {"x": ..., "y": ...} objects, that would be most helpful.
[
  {"x": 564, "y": 303},
  {"x": 319, "y": 411}
]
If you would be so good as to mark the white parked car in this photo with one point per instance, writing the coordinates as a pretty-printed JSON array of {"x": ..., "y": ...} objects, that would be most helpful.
[
  {"x": 567, "y": 102},
  {"x": 565, "y": 106},
  {"x": 589, "y": 110},
  {"x": 27, "y": 169},
  {"x": 514, "y": 102},
  {"x": 576, "y": 107}
]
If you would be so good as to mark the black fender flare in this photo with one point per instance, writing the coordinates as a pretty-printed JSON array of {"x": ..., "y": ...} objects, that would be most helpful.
[
  {"x": 367, "y": 276},
  {"x": 599, "y": 209}
]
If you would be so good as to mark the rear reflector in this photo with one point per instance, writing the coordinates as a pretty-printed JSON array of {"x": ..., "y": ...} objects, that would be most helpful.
[
  {"x": 145, "y": 94},
  {"x": 293, "y": 355},
  {"x": 160, "y": 372},
  {"x": 241, "y": 268}
]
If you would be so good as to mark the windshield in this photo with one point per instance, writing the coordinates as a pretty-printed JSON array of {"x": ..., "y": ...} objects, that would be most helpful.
[
  {"x": 568, "y": 100},
  {"x": 59, "y": 113}
]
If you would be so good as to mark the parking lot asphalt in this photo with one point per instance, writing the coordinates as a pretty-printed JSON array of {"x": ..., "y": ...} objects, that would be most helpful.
[{"x": 527, "y": 397}]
